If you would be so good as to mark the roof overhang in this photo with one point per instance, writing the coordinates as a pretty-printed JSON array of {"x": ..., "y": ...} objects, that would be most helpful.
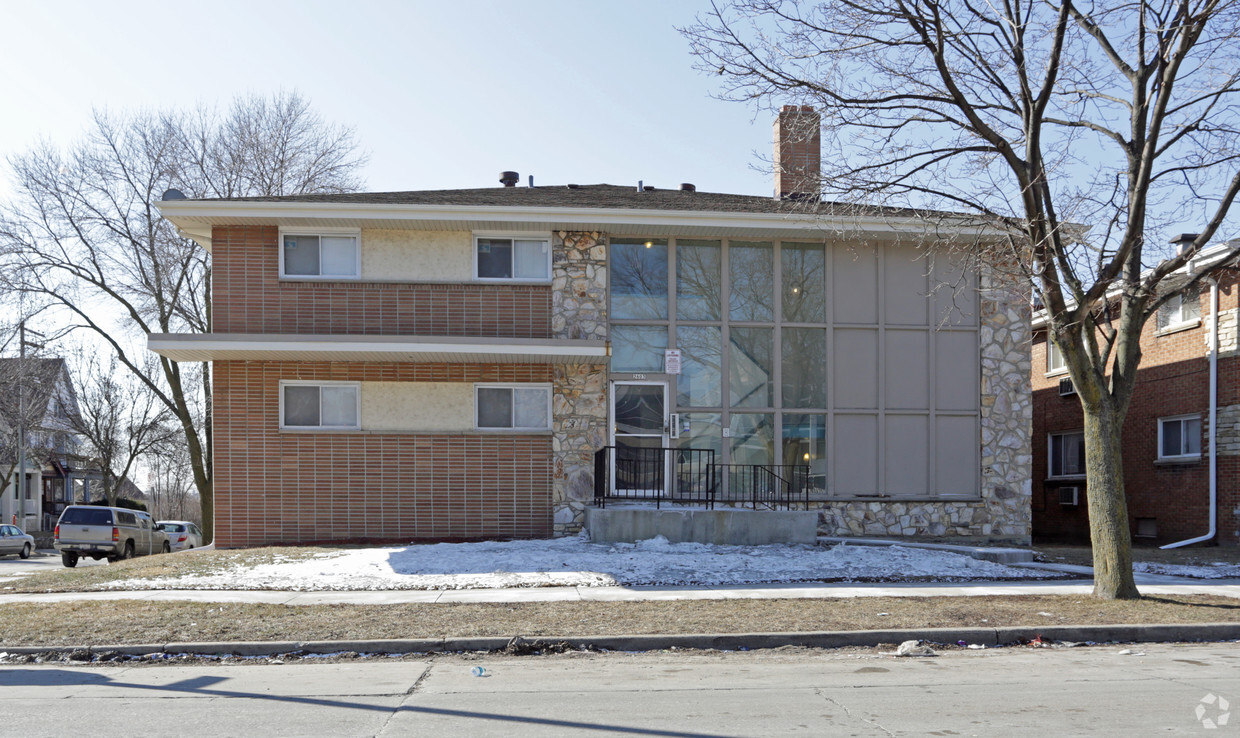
[
  {"x": 195, "y": 219},
  {"x": 415, "y": 349}
]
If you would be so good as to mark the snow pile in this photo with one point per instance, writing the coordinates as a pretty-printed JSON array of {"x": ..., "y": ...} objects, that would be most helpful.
[
  {"x": 1215, "y": 570},
  {"x": 578, "y": 562}
]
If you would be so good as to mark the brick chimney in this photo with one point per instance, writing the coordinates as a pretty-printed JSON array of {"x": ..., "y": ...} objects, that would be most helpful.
[{"x": 798, "y": 153}]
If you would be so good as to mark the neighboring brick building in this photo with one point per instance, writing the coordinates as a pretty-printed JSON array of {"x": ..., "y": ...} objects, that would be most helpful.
[
  {"x": 444, "y": 365},
  {"x": 1166, "y": 442}
]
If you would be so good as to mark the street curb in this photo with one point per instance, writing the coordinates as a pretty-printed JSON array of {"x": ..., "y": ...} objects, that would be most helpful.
[{"x": 989, "y": 637}]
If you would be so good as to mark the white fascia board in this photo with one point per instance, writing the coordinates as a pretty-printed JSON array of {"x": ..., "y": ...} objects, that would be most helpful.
[
  {"x": 206, "y": 346},
  {"x": 191, "y": 216},
  {"x": 1208, "y": 258}
]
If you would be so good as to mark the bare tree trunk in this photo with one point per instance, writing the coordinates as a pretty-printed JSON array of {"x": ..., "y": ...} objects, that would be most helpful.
[{"x": 1108, "y": 509}]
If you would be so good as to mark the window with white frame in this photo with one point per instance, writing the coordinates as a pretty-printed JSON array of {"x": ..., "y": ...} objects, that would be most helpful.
[
  {"x": 1067, "y": 454},
  {"x": 1054, "y": 358},
  {"x": 512, "y": 258},
  {"x": 1179, "y": 437},
  {"x": 320, "y": 405},
  {"x": 320, "y": 255},
  {"x": 513, "y": 407},
  {"x": 1183, "y": 309}
]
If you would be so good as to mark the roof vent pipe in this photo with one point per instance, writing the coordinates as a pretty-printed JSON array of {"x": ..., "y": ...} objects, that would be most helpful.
[
  {"x": 531, "y": 180},
  {"x": 688, "y": 187},
  {"x": 509, "y": 179},
  {"x": 639, "y": 185}
]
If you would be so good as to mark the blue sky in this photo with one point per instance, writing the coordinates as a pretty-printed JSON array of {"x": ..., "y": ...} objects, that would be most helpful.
[{"x": 442, "y": 94}]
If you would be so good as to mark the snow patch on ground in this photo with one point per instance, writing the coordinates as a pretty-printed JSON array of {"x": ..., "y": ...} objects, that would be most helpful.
[
  {"x": 578, "y": 562},
  {"x": 1216, "y": 570}
]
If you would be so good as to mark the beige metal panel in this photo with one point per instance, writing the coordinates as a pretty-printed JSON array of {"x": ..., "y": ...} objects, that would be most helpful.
[
  {"x": 956, "y": 448},
  {"x": 956, "y": 370},
  {"x": 955, "y": 292},
  {"x": 905, "y": 286},
  {"x": 855, "y": 375},
  {"x": 417, "y": 256},
  {"x": 906, "y": 375},
  {"x": 906, "y": 454},
  {"x": 417, "y": 406},
  {"x": 855, "y": 453},
  {"x": 854, "y": 286}
]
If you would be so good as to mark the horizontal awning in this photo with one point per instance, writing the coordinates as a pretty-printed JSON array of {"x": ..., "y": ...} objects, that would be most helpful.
[{"x": 418, "y": 349}]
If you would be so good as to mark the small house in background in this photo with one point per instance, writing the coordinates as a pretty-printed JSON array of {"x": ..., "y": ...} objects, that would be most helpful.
[
  {"x": 38, "y": 393},
  {"x": 1181, "y": 472},
  {"x": 503, "y": 362}
]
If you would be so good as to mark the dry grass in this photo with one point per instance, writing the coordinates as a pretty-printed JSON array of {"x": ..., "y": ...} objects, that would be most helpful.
[
  {"x": 116, "y": 622},
  {"x": 1082, "y": 556},
  {"x": 90, "y": 578}
]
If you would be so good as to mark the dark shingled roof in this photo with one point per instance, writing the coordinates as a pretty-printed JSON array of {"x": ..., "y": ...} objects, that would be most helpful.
[{"x": 591, "y": 196}]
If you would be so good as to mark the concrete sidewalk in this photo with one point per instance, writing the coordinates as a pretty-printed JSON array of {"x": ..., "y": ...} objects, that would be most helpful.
[{"x": 1224, "y": 588}]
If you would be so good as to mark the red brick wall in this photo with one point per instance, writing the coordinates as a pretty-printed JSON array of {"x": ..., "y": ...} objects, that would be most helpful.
[
  {"x": 298, "y": 487},
  {"x": 1173, "y": 380},
  {"x": 249, "y": 297}
]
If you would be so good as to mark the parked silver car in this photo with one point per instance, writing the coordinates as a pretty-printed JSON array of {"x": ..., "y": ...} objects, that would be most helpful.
[
  {"x": 112, "y": 532},
  {"x": 13, "y": 541},
  {"x": 182, "y": 534}
]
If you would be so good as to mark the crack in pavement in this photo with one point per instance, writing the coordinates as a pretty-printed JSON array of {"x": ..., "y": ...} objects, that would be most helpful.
[{"x": 848, "y": 713}]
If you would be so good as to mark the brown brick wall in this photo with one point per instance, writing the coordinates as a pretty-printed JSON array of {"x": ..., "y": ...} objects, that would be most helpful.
[
  {"x": 1173, "y": 380},
  {"x": 298, "y": 487},
  {"x": 249, "y": 297}
]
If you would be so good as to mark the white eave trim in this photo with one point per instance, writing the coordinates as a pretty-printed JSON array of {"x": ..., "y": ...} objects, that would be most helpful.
[
  {"x": 416, "y": 349},
  {"x": 194, "y": 218}
]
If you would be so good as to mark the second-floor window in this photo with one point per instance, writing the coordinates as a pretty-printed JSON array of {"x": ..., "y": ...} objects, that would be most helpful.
[
  {"x": 321, "y": 255},
  {"x": 1054, "y": 358},
  {"x": 516, "y": 259},
  {"x": 319, "y": 405},
  {"x": 1180, "y": 311},
  {"x": 513, "y": 407},
  {"x": 1067, "y": 454}
]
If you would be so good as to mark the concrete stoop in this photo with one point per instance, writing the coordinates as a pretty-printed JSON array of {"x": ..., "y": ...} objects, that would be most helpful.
[{"x": 695, "y": 525}]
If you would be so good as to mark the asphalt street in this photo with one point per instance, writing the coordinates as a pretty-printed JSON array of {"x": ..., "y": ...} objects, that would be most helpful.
[{"x": 1165, "y": 688}]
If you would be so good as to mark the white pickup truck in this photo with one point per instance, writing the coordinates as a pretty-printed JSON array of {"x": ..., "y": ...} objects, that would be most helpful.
[{"x": 112, "y": 532}]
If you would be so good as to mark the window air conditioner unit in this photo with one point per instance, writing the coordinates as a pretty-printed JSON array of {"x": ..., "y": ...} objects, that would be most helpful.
[
  {"x": 1066, "y": 388},
  {"x": 1069, "y": 496}
]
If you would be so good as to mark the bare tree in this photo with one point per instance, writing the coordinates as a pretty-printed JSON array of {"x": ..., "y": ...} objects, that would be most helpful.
[
  {"x": 83, "y": 231},
  {"x": 120, "y": 419},
  {"x": 170, "y": 483},
  {"x": 1078, "y": 132}
]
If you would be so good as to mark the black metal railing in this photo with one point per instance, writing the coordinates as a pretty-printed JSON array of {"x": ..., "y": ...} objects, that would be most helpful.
[
  {"x": 683, "y": 476},
  {"x": 688, "y": 476}
]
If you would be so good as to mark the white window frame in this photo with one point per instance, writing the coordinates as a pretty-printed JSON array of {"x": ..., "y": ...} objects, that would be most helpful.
[
  {"x": 1179, "y": 419},
  {"x": 321, "y": 383},
  {"x": 513, "y": 386},
  {"x": 1181, "y": 323},
  {"x": 1050, "y": 454},
  {"x": 488, "y": 235},
  {"x": 356, "y": 233},
  {"x": 1052, "y": 351}
]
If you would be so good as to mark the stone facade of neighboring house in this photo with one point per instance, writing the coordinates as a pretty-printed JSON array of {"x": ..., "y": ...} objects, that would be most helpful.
[{"x": 473, "y": 364}]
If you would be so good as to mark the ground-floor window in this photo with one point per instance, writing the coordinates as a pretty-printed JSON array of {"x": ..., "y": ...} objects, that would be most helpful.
[{"x": 1067, "y": 454}]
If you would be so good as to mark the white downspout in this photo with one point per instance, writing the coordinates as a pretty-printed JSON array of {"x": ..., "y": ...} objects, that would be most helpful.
[{"x": 1213, "y": 418}]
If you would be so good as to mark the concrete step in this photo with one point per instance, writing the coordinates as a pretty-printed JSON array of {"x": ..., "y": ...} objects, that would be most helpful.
[{"x": 985, "y": 553}]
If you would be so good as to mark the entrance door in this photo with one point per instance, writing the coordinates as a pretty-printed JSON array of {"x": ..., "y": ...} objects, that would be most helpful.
[{"x": 640, "y": 433}]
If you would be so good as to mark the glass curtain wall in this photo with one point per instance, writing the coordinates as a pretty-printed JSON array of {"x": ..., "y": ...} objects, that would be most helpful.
[{"x": 750, "y": 319}]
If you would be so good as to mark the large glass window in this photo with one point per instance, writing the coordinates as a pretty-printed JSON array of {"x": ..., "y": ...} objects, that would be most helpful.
[
  {"x": 700, "y": 383},
  {"x": 752, "y": 268},
  {"x": 804, "y": 282},
  {"x": 638, "y": 348},
  {"x": 750, "y": 380},
  {"x": 805, "y": 444},
  {"x": 804, "y": 368},
  {"x": 639, "y": 279},
  {"x": 753, "y": 438},
  {"x": 699, "y": 289}
]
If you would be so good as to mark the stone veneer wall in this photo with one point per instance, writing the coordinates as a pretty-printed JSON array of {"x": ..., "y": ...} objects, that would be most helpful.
[
  {"x": 1003, "y": 512},
  {"x": 579, "y": 391}
]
